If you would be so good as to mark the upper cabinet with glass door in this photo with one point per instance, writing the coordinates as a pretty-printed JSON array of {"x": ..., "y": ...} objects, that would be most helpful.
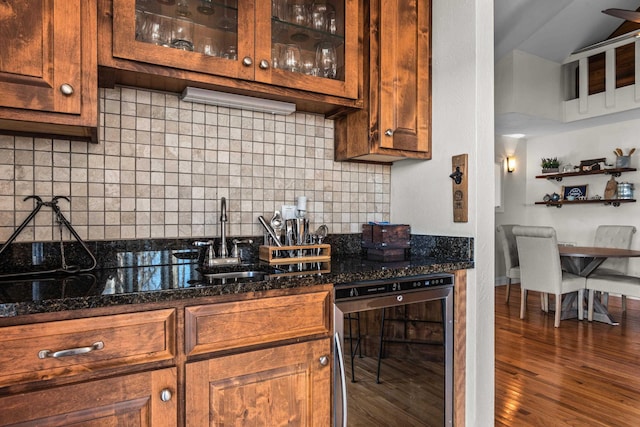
[
  {"x": 277, "y": 47},
  {"x": 310, "y": 40}
]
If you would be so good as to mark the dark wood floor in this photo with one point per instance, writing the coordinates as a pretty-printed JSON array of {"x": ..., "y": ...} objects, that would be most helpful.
[{"x": 580, "y": 374}]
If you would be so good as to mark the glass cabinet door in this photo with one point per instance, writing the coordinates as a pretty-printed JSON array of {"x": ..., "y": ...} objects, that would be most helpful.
[
  {"x": 299, "y": 44},
  {"x": 194, "y": 35},
  {"x": 311, "y": 47}
]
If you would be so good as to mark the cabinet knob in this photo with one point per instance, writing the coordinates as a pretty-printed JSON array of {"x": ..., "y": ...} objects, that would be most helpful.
[
  {"x": 388, "y": 132},
  {"x": 165, "y": 395},
  {"x": 324, "y": 360},
  {"x": 247, "y": 61},
  {"x": 264, "y": 64},
  {"x": 66, "y": 89}
]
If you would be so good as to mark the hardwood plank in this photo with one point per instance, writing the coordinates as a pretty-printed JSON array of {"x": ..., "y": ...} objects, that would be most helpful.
[{"x": 580, "y": 374}]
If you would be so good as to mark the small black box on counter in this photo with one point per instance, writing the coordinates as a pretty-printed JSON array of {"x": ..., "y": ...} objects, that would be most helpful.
[{"x": 386, "y": 242}]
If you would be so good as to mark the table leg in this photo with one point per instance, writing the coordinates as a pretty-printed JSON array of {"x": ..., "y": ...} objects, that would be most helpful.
[{"x": 601, "y": 314}]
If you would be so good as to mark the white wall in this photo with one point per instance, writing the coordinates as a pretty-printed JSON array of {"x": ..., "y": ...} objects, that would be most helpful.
[
  {"x": 513, "y": 192},
  {"x": 530, "y": 85},
  {"x": 577, "y": 224},
  {"x": 421, "y": 191}
]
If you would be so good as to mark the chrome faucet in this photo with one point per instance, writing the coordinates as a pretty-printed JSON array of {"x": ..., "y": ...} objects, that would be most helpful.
[
  {"x": 223, "y": 258},
  {"x": 222, "y": 251}
]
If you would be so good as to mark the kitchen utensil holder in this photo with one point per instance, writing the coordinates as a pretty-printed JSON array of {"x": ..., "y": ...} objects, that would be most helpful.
[{"x": 303, "y": 253}]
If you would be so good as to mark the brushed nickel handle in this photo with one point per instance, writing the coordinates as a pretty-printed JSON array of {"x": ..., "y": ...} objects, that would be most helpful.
[
  {"x": 43, "y": 354},
  {"x": 247, "y": 61},
  {"x": 66, "y": 89},
  {"x": 324, "y": 360},
  {"x": 343, "y": 381},
  {"x": 166, "y": 395},
  {"x": 264, "y": 64},
  {"x": 388, "y": 132}
]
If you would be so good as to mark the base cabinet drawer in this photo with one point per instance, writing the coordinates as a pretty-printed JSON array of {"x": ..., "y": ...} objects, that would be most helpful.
[
  {"x": 144, "y": 399},
  {"x": 286, "y": 385},
  {"x": 63, "y": 348},
  {"x": 226, "y": 326}
]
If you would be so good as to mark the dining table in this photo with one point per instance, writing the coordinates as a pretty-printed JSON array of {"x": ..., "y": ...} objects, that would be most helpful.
[{"x": 583, "y": 261}]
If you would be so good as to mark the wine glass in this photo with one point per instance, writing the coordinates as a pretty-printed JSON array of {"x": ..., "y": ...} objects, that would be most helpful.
[
  {"x": 326, "y": 60},
  {"x": 227, "y": 22},
  {"x": 205, "y": 7},
  {"x": 292, "y": 58},
  {"x": 157, "y": 30},
  {"x": 279, "y": 9},
  {"x": 277, "y": 55},
  {"x": 308, "y": 63},
  {"x": 141, "y": 23},
  {"x": 207, "y": 46},
  {"x": 182, "y": 34},
  {"x": 319, "y": 11},
  {"x": 299, "y": 13}
]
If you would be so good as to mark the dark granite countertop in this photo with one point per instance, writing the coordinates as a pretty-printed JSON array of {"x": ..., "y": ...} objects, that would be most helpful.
[{"x": 160, "y": 275}]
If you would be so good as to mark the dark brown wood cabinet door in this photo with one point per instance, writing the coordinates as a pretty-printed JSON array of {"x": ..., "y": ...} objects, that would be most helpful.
[
  {"x": 287, "y": 385},
  {"x": 40, "y": 55},
  {"x": 127, "y": 46},
  {"x": 144, "y": 399},
  {"x": 404, "y": 79}
]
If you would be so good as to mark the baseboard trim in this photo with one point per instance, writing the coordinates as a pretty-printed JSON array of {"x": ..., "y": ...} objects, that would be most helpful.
[{"x": 502, "y": 281}]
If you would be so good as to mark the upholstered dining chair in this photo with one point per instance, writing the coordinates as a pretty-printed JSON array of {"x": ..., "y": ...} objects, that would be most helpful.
[
  {"x": 540, "y": 269},
  {"x": 614, "y": 236},
  {"x": 616, "y": 283},
  {"x": 510, "y": 251}
]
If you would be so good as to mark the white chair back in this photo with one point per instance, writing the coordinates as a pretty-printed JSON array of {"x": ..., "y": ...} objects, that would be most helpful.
[
  {"x": 540, "y": 268},
  {"x": 509, "y": 248},
  {"x": 614, "y": 236}
]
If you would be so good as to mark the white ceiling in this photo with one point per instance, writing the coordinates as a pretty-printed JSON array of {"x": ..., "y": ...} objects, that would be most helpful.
[{"x": 553, "y": 29}]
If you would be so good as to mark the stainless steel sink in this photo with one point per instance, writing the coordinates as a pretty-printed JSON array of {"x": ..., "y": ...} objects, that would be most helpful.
[{"x": 235, "y": 277}]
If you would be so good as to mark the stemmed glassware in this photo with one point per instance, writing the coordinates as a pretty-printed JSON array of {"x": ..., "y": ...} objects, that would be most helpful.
[
  {"x": 319, "y": 11},
  {"x": 326, "y": 60},
  {"x": 182, "y": 29},
  {"x": 156, "y": 30},
  {"x": 299, "y": 12},
  {"x": 292, "y": 58},
  {"x": 206, "y": 7},
  {"x": 226, "y": 22}
]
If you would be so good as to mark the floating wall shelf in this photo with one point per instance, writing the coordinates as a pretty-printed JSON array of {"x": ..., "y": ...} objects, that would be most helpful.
[{"x": 558, "y": 176}]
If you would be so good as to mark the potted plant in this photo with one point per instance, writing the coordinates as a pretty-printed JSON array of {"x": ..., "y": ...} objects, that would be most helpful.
[{"x": 550, "y": 165}]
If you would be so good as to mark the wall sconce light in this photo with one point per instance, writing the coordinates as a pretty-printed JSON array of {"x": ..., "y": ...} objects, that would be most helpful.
[
  {"x": 223, "y": 99},
  {"x": 511, "y": 164}
]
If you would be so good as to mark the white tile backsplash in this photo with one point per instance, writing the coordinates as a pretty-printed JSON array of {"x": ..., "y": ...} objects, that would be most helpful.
[{"x": 162, "y": 165}]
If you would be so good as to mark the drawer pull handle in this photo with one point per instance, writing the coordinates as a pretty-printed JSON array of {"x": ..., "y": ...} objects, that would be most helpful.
[
  {"x": 324, "y": 360},
  {"x": 43, "y": 354}
]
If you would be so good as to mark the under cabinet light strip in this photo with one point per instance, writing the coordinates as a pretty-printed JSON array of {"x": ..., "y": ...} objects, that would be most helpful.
[{"x": 222, "y": 99}]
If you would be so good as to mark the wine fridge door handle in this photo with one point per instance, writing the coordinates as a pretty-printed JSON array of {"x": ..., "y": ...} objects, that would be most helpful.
[{"x": 343, "y": 381}]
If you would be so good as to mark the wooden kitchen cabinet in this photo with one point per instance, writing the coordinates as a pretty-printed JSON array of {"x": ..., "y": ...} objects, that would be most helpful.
[
  {"x": 165, "y": 363},
  {"x": 98, "y": 370},
  {"x": 142, "y": 399},
  {"x": 271, "y": 378},
  {"x": 230, "y": 45},
  {"x": 64, "y": 348},
  {"x": 48, "y": 68},
  {"x": 286, "y": 385},
  {"x": 396, "y": 121}
]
